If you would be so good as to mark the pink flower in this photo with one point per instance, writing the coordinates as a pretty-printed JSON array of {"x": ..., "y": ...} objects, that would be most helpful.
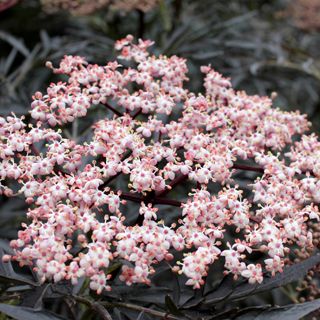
[
  {"x": 253, "y": 273},
  {"x": 158, "y": 137}
]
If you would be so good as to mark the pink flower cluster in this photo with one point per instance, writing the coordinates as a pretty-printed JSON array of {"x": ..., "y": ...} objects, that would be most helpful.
[
  {"x": 305, "y": 14},
  {"x": 87, "y": 7},
  {"x": 159, "y": 135}
]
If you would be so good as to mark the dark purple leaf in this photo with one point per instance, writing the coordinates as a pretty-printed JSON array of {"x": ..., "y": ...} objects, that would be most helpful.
[
  {"x": 227, "y": 292},
  {"x": 25, "y": 313}
]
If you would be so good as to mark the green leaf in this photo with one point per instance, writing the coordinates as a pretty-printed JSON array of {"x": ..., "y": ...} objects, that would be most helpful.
[{"x": 25, "y": 313}]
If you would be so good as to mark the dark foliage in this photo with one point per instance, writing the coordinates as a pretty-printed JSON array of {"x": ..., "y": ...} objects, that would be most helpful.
[{"x": 252, "y": 42}]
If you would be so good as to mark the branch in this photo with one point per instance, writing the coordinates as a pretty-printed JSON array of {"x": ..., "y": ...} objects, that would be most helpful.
[
  {"x": 142, "y": 309},
  {"x": 35, "y": 150},
  {"x": 136, "y": 113},
  {"x": 140, "y": 24},
  {"x": 172, "y": 184},
  {"x": 169, "y": 202},
  {"x": 158, "y": 200},
  {"x": 247, "y": 168},
  {"x": 111, "y": 179},
  {"x": 10, "y": 297},
  {"x": 105, "y": 315},
  {"x": 182, "y": 178},
  {"x": 95, "y": 306},
  {"x": 108, "y": 106},
  {"x": 105, "y": 184},
  {"x": 154, "y": 200},
  {"x": 131, "y": 197}
]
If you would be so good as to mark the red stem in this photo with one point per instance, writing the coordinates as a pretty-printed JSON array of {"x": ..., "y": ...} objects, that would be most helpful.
[
  {"x": 118, "y": 113},
  {"x": 158, "y": 198},
  {"x": 35, "y": 150},
  {"x": 154, "y": 200},
  {"x": 170, "y": 202},
  {"x": 118, "y": 174},
  {"x": 183, "y": 177},
  {"x": 172, "y": 184},
  {"x": 248, "y": 168},
  {"x": 136, "y": 113}
]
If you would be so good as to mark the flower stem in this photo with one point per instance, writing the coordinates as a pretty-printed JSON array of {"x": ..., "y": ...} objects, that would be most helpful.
[
  {"x": 108, "y": 106},
  {"x": 247, "y": 168},
  {"x": 153, "y": 200}
]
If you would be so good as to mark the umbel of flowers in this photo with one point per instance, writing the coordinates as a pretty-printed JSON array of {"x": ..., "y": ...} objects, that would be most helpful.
[
  {"x": 305, "y": 14},
  {"x": 85, "y": 7},
  {"x": 160, "y": 135}
]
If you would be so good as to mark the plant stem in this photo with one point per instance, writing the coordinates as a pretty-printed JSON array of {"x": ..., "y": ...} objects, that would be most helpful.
[
  {"x": 182, "y": 178},
  {"x": 153, "y": 200},
  {"x": 169, "y": 202},
  {"x": 10, "y": 297},
  {"x": 95, "y": 306},
  {"x": 75, "y": 126},
  {"x": 143, "y": 309},
  {"x": 140, "y": 24},
  {"x": 158, "y": 199},
  {"x": 126, "y": 156},
  {"x": 136, "y": 113},
  {"x": 172, "y": 184},
  {"x": 98, "y": 307},
  {"x": 108, "y": 106},
  {"x": 35, "y": 150},
  {"x": 289, "y": 294},
  {"x": 247, "y": 168}
]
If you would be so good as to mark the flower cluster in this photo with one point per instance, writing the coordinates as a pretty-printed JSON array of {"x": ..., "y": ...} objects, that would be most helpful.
[
  {"x": 75, "y": 7},
  {"x": 305, "y": 14},
  {"x": 6, "y": 4},
  {"x": 158, "y": 135},
  {"x": 86, "y": 7},
  {"x": 129, "y": 5}
]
